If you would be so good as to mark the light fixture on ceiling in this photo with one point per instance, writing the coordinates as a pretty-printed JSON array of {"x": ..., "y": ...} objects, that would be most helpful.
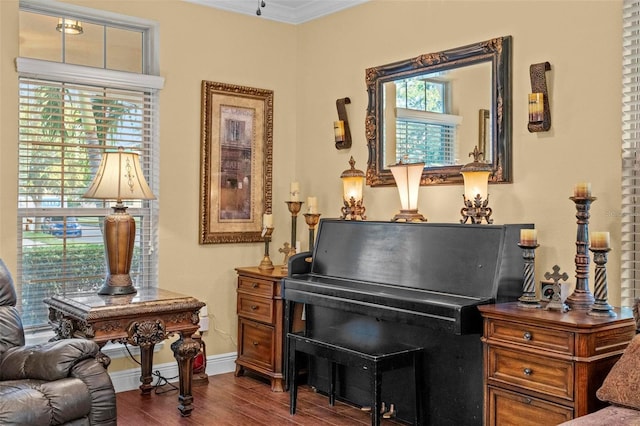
[
  {"x": 69, "y": 26},
  {"x": 261, "y": 4}
]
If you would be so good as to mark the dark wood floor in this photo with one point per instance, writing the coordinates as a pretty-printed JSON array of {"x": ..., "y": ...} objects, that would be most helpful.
[{"x": 236, "y": 401}]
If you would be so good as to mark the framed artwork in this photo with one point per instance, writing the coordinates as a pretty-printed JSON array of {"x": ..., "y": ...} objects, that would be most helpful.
[{"x": 236, "y": 151}]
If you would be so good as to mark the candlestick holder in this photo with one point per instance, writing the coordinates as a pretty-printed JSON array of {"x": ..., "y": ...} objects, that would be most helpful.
[
  {"x": 529, "y": 299},
  {"x": 581, "y": 298},
  {"x": 266, "y": 264},
  {"x": 312, "y": 220},
  {"x": 601, "y": 307},
  {"x": 290, "y": 249}
]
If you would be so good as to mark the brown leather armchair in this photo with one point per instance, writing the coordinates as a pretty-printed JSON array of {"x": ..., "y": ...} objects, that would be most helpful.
[{"x": 56, "y": 383}]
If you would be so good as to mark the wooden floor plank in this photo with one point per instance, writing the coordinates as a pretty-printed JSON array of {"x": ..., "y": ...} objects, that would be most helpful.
[{"x": 236, "y": 401}]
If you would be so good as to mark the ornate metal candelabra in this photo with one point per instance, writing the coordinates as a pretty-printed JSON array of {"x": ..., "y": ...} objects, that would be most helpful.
[
  {"x": 529, "y": 298},
  {"x": 312, "y": 220},
  {"x": 601, "y": 307},
  {"x": 294, "y": 208},
  {"x": 581, "y": 298},
  {"x": 266, "y": 264}
]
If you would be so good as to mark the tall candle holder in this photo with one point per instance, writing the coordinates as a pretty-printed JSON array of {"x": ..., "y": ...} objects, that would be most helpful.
[
  {"x": 529, "y": 298},
  {"x": 581, "y": 298},
  {"x": 294, "y": 208},
  {"x": 266, "y": 264},
  {"x": 312, "y": 220},
  {"x": 601, "y": 307}
]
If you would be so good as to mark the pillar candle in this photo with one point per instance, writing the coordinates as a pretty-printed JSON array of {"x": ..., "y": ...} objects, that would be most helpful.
[
  {"x": 582, "y": 189},
  {"x": 528, "y": 237},
  {"x": 312, "y": 205},
  {"x": 294, "y": 192},
  {"x": 600, "y": 240},
  {"x": 267, "y": 220}
]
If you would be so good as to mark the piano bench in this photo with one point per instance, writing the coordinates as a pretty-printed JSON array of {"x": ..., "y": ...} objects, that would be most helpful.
[{"x": 373, "y": 358}]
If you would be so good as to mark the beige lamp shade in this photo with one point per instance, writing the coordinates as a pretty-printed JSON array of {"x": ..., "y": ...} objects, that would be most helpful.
[
  {"x": 407, "y": 177},
  {"x": 476, "y": 183},
  {"x": 119, "y": 177}
]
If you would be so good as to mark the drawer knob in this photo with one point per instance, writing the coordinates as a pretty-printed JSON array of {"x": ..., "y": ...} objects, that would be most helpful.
[
  {"x": 254, "y": 285},
  {"x": 528, "y": 401},
  {"x": 254, "y": 307},
  {"x": 255, "y": 343},
  {"x": 527, "y": 371},
  {"x": 526, "y": 336}
]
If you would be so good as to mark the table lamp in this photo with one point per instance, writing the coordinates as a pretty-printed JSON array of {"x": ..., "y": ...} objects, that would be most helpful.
[{"x": 119, "y": 177}]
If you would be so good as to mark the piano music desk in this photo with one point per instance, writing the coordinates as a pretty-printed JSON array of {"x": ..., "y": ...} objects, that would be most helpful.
[{"x": 544, "y": 367}]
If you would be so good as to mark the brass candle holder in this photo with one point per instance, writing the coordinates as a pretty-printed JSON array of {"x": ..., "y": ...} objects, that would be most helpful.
[
  {"x": 312, "y": 220},
  {"x": 266, "y": 264},
  {"x": 290, "y": 249},
  {"x": 601, "y": 307},
  {"x": 529, "y": 298},
  {"x": 581, "y": 298}
]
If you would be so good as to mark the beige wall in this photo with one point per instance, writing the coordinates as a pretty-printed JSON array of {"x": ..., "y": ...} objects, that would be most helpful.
[{"x": 310, "y": 66}]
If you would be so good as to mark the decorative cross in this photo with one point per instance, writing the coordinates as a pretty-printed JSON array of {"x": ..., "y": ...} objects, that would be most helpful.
[{"x": 556, "y": 301}]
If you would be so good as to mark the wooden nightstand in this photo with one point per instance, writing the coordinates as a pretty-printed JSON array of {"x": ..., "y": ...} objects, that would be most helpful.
[
  {"x": 544, "y": 367},
  {"x": 261, "y": 324}
]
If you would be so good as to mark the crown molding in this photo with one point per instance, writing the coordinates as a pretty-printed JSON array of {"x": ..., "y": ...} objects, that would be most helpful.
[{"x": 287, "y": 11}]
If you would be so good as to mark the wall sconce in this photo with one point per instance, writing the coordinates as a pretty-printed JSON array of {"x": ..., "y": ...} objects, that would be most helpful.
[
  {"x": 539, "y": 113},
  {"x": 69, "y": 26},
  {"x": 352, "y": 185},
  {"x": 476, "y": 190},
  {"x": 407, "y": 177},
  {"x": 341, "y": 127}
]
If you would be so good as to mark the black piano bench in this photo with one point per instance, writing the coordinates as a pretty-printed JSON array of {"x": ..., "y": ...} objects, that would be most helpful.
[{"x": 376, "y": 359}]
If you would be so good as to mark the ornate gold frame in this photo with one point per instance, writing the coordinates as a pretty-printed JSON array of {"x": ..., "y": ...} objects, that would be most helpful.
[{"x": 236, "y": 140}]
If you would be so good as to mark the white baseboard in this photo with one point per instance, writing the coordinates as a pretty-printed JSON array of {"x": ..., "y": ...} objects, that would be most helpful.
[{"x": 126, "y": 380}]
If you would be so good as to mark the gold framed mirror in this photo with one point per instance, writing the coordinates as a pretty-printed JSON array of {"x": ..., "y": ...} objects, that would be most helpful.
[{"x": 425, "y": 109}]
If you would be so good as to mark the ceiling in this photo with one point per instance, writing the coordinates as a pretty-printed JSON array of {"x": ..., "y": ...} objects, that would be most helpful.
[{"x": 288, "y": 11}]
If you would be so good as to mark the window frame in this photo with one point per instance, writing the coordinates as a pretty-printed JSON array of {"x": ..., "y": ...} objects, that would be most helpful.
[{"x": 149, "y": 82}]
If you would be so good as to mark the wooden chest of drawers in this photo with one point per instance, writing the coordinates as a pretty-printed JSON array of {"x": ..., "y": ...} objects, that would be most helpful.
[
  {"x": 260, "y": 324},
  {"x": 544, "y": 367}
]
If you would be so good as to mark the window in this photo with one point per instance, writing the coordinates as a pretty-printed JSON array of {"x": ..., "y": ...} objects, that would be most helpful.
[
  {"x": 425, "y": 132},
  {"x": 70, "y": 112},
  {"x": 630, "y": 213}
]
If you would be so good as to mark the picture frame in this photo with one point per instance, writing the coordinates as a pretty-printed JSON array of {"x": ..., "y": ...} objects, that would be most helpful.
[{"x": 236, "y": 161}]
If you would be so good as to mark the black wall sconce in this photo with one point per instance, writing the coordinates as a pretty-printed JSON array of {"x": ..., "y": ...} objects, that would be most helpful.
[
  {"x": 341, "y": 127},
  {"x": 539, "y": 112}
]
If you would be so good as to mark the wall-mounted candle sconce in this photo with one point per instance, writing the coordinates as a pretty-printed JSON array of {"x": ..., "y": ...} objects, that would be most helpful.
[
  {"x": 539, "y": 113},
  {"x": 341, "y": 127}
]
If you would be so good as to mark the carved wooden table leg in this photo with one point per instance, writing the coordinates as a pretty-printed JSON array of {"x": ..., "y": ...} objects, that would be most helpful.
[
  {"x": 184, "y": 350},
  {"x": 146, "y": 365},
  {"x": 146, "y": 334}
]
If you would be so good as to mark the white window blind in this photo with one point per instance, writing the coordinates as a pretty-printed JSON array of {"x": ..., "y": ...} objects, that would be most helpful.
[
  {"x": 64, "y": 128},
  {"x": 630, "y": 213},
  {"x": 427, "y": 137}
]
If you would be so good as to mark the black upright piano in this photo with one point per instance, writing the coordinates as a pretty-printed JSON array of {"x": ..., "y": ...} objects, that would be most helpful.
[{"x": 417, "y": 283}]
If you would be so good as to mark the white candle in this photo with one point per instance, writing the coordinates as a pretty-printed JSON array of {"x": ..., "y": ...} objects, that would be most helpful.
[
  {"x": 294, "y": 191},
  {"x": 528, "y": 237},
  {"x": 267, "y": 220},
  {"x": 600, "y": 240},
  {"x": 312, "y": 205},
  {"x": 582, "y": 189}
]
